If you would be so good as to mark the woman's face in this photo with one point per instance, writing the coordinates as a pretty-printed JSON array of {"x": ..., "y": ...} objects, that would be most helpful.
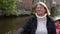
[{"x": 40, "y": 10}]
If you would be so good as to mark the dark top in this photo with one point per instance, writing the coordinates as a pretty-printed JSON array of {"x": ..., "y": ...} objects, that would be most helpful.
[{"x": 31, "y": 26}]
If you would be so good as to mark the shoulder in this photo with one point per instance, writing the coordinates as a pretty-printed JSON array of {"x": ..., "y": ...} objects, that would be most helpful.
[
  {"x": 32, "y": 17},
  {"x": 51, "y": 21},
  {"x": 50, "y": 18}
]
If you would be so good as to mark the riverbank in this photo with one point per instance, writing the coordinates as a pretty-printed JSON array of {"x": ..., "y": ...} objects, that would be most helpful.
[
  {"x": 14, "y": 16},
  {"x": 10, "y": 23}
]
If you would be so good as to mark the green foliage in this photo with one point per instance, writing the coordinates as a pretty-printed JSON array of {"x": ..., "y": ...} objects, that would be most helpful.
[
  {"x": 53, "y": 11},
  {"x": 7, "y": 6}
]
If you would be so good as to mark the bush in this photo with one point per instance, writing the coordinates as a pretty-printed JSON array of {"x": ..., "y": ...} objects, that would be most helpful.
[
  {"x": 7, "y": 6},
  {"x": 53, "y": 11}
]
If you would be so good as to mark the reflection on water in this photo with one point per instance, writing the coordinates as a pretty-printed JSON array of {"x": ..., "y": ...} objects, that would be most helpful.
[{"x": 11, "y": 24}]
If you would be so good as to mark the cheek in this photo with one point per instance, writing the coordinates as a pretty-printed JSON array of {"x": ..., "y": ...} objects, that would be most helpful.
[
  {"x": 56, "y": 24},
  {"x": 44, "y": 10}
]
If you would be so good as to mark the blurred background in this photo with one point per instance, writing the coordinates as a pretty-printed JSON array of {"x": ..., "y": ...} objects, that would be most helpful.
[{"x": 15, "y": 13}]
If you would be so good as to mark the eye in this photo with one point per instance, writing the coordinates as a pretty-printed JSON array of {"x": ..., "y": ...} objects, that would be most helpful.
[{"x": 40, "y": 7}]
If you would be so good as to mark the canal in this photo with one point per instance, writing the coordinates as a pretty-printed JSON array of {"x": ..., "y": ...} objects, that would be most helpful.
[{"x": 9, "y": 25}]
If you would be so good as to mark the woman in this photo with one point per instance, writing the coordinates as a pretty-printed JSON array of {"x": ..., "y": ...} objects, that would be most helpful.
[
  {"x": 57, "y": 23},
  {"x": 40, "y": 22}
]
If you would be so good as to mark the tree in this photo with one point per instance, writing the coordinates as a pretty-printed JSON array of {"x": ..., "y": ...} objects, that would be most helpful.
[{"x": 7, "y": 6}]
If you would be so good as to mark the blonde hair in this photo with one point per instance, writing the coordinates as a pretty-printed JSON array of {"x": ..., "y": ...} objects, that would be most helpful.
[{"x": 44, "y": 5}]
